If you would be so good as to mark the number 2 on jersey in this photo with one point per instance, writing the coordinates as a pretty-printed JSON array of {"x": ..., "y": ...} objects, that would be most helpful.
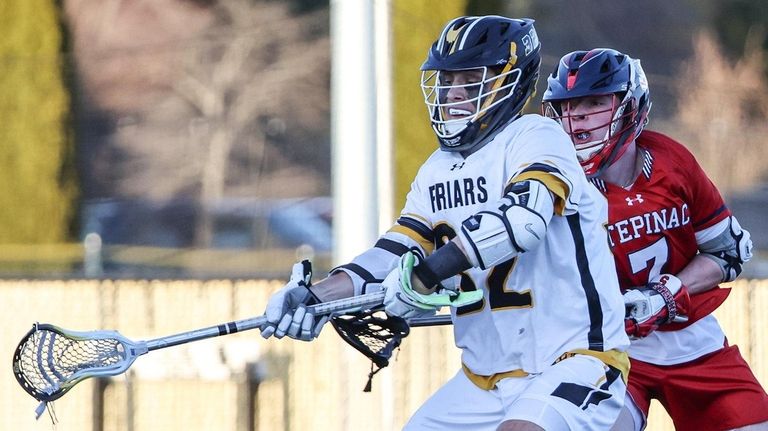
[{"x": 497, "y": 296}]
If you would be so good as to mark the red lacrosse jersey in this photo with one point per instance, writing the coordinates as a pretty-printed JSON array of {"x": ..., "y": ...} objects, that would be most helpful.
[{"x": 653, "y": 224}]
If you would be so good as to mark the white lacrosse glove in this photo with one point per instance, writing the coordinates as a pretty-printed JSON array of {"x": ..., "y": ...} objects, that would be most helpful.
[
  {"x": 663, "y": 300},
  {"x": 287, "y": 312},
  {"x": 401, "y": 300}
]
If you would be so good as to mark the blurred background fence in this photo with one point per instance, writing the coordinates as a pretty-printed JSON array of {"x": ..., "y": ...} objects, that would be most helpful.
[{"x": 242, "y": 382}]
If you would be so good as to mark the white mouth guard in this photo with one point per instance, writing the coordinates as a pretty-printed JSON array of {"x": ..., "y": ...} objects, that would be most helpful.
[{"x": 458, "y": 111}]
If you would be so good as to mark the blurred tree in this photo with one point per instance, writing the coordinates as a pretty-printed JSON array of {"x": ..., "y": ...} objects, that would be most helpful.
[
  {"x": 37, "y": 175},
  {"x": 234, "y": 91},
  {"x": 488, "y": 7},
  {"x": 737, "y": 21},
  {"x": 300, "y": 6},
  {"x": 200, "y": 101},
  {"x": 722, "y": 113},
  {"x": 656, "y": 31},
  {"x": 415, "y": 26}
]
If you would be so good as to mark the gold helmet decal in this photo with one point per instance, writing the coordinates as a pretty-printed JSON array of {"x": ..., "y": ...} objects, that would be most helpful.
[
  {"x": 512, "y": 54},
  {"x": 451, "y": 36}
]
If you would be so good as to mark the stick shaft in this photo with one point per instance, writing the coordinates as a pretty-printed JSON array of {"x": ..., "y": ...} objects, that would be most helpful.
[
  {"x": 440, "y": 320},
  {"x": 344, "y": 305}
]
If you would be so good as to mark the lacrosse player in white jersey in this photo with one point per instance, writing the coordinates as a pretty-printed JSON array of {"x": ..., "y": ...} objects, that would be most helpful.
[{"x": 501, "y": 225}]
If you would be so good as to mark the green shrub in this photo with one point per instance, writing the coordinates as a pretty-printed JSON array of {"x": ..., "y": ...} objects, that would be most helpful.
[
  {"x": 37, "y": 180},
  {"x": 416, "y": 25}
]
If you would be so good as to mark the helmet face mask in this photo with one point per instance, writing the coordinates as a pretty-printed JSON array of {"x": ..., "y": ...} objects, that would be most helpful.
[
  {"x": 595, "y": 130},
  {"x": 580, "y": 78},
  {"x": 456, "y": 104},
  {"x": 477, "y": 77}
]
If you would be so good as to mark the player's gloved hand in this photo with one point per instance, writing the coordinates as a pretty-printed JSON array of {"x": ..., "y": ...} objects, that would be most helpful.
[
  {"x": 287, "y": 312},
  {"x": 663, "y": 300},
  {"x": 403, "y": 301}
]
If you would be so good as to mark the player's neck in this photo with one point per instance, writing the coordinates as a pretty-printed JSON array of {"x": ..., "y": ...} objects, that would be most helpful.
[{"x": 624, "y": 172}]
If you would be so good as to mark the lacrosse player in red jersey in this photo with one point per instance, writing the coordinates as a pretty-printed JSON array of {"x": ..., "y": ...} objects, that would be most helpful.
[
  {"x": 501, "y": 225},
  {"x": 673, "y": 240}
]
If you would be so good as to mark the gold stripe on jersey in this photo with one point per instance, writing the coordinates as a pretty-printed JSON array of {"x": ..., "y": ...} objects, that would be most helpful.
[
  {"x": 613, "y": 358},
  {"x": 554, "y": 184},
  {"x": 489, "y": 382},
  {"x": 427, "y": 245},
  {"x": 417, "y": 217}
]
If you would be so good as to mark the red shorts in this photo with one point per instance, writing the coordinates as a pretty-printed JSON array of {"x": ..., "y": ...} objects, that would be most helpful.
[{"x": 715, "y": 392}]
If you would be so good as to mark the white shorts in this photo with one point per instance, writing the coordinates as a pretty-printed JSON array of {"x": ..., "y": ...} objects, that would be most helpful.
[{"x": 578, "y": 393}]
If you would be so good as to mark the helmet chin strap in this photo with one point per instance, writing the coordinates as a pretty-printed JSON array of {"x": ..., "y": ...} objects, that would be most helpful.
[
  {"x": 618, "y": 150},
  {"x": 585, "y": 154},
  {"x": 453, "y": 127},
  {"x": 589, "y": 149}
]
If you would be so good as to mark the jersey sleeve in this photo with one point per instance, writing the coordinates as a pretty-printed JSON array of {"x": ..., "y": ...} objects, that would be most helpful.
[
  {"x": 708, "y": 210},
  {"x": 368, "y": 269},
  {"x": 549, "y": 157},
  {"x": 414, "y": 221}
]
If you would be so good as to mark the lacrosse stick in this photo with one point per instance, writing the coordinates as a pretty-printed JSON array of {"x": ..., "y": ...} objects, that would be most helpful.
[
  {"x": 50, "y": 360},
  {"x": 376, "y": 335},
  {"x": 439, "y": 320}
]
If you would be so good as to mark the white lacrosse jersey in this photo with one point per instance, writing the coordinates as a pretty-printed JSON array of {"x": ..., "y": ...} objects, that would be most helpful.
[{"x": 559, "y": 297}]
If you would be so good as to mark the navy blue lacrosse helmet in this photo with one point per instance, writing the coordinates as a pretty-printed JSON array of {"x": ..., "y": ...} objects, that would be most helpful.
[
  {"x": 478, "y": 76},
  {"x": 600, "y": 72}
]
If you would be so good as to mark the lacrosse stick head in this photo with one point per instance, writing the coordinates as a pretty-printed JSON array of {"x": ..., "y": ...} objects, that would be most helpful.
[
  {"x": 50, "y": 360},
  {"x": 374, "y": 334}
]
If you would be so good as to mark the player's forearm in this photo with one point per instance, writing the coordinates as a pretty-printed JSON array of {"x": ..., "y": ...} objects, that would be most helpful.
[
  {"x": 336, "y": 286},
  {"x": 445, "y": 262},
  {"x": 701, "y": 274}
]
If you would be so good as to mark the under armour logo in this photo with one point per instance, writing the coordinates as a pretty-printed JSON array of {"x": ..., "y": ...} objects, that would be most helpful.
[
  {"x": 457, "y": 166},
  {"x": 638, "y": 198}
]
